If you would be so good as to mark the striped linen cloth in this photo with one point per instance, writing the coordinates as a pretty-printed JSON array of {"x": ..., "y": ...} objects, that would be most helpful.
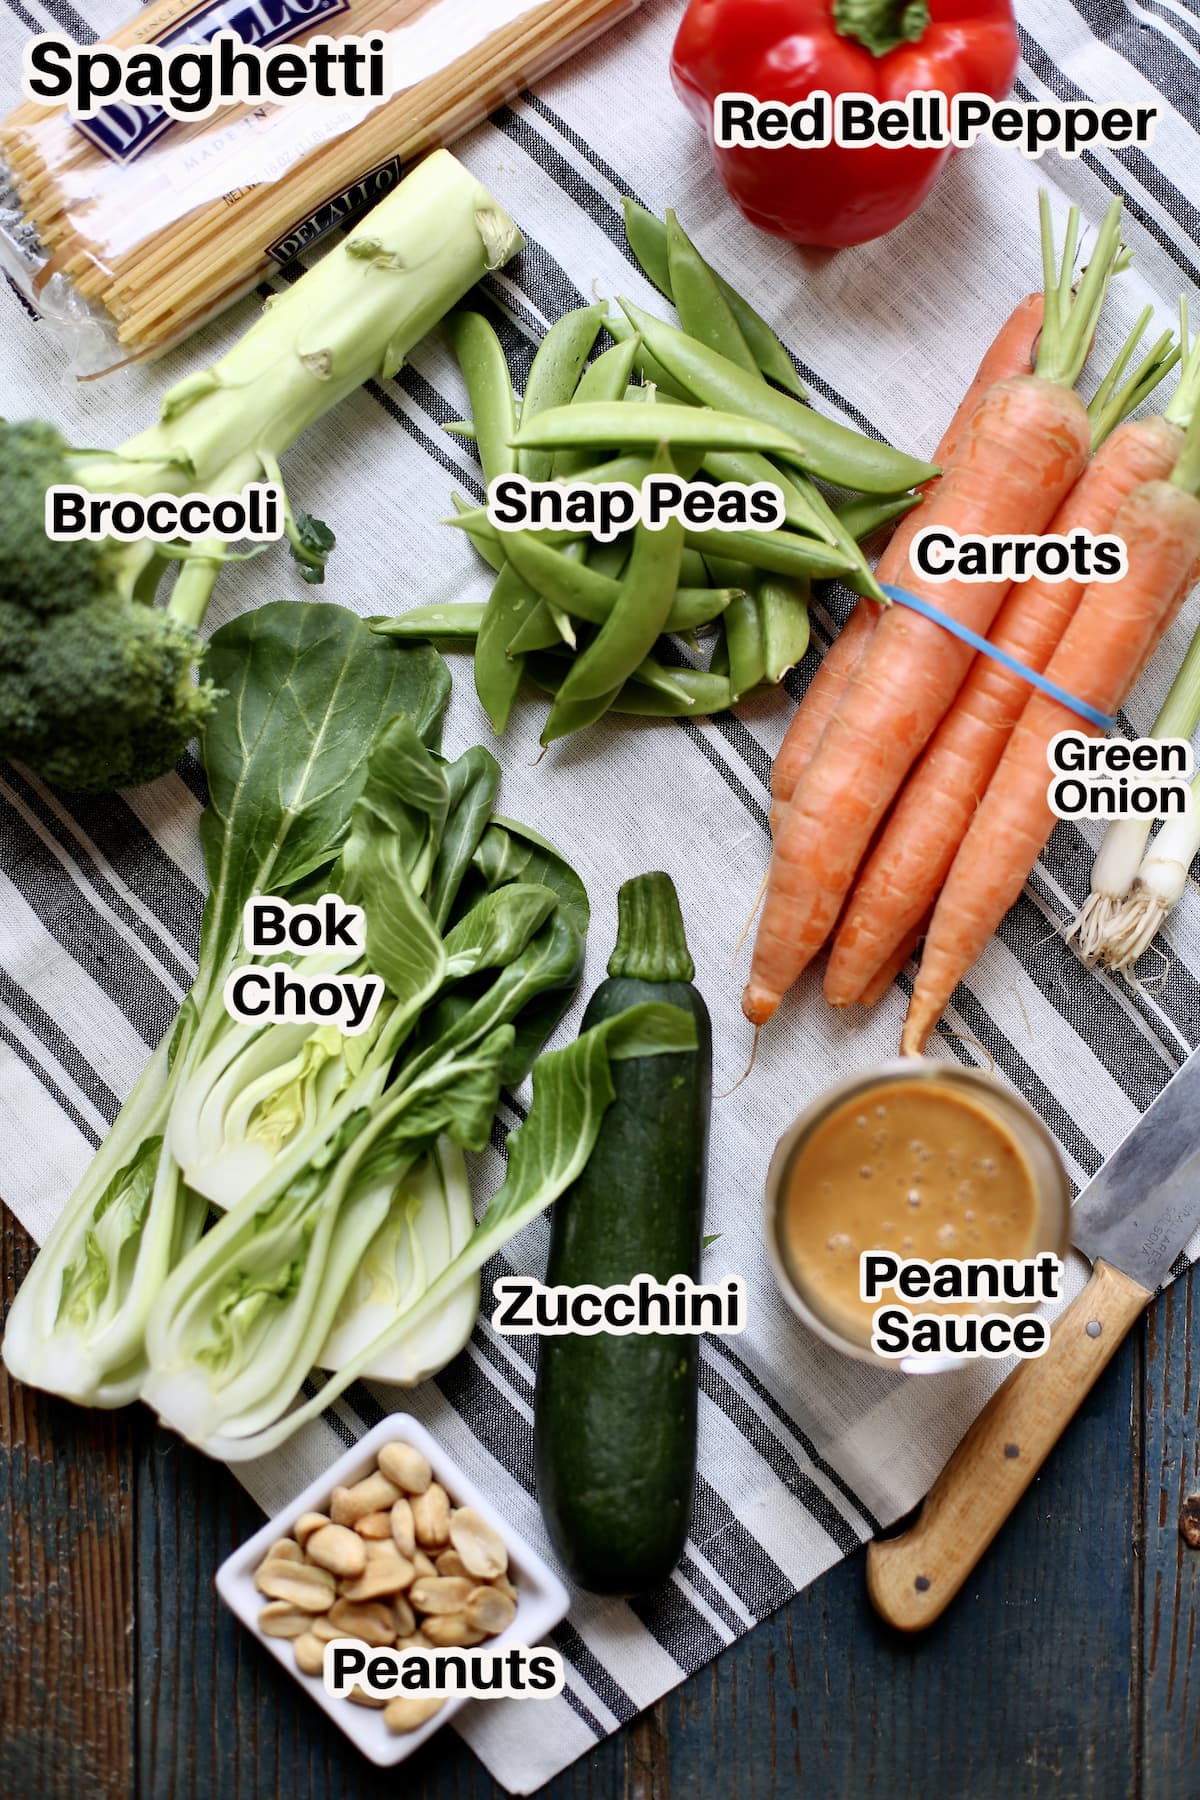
[{"x": 802, "y": 1454}]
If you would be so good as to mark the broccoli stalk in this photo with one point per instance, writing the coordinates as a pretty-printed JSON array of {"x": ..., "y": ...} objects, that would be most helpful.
[{"x": 98, "y": 688}]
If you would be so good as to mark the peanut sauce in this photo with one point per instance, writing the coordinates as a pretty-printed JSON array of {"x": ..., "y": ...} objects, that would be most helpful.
[{"x": 911, "y": 1168}]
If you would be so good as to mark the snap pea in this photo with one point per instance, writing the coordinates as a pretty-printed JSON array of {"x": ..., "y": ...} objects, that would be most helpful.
[
  {"x": 589, "y": 594},
  {"x": 474, "y": 521},
  {"x": 819, "y": 445},
  {"x": 660, "y": 693},
  {"x": 747, "y": 653},
  {"x": 747, "y": 467},
  {"x": 555, "y": 374},
  {"x": 609, "y": 424},
  {"x": 610, "y": 558},
  {"x": 640, "y": 612},
  {"x": 497, "y": 676},
  {"x": 458, "y": 621},
  {"x": 483, "y": 533},
  {"x": 778, "y": 552},
  {"x": 843, "y": 540},
  {"x": 481, "y": 358},
  {"x": 703, "y": 310},
  {"x": 567, "y": 716},
  {"x": 539, "y": 632},
  {"x": 652, "y": 692},
  {"x": 783, "y": 616},
  {"x": 605, "y": 379},
  {"x": 693, "y": 570},
  {"x": 618, "y": 327},
  {"x": 718, "y": 662},
  {"x": 648, "y": 241},
  {"x": 863, "y": 517}
]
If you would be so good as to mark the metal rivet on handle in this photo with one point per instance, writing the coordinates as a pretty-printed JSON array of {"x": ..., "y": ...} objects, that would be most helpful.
[
  {"x": 1011, "y": 1450},
  {"x": 921, "y": 1583},
  {"x": 1094, "y": 1328}
]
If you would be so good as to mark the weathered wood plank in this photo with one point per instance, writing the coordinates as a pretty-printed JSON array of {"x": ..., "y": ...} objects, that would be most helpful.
[
  {"x": 1021, "y": 1690},
  {"x": 1170, "y": 1570},
  {"x": 66, "y": 1585}
]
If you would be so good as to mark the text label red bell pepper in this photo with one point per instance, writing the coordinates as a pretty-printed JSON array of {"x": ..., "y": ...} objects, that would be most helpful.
[{"x": 784, "y": 50}]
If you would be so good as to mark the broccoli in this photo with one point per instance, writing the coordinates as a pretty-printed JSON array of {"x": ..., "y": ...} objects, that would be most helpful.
[{"x": 98, "y": 685}]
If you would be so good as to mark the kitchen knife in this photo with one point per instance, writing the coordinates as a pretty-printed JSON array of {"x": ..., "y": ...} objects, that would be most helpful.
[{"x": 1131, "y": 1222}]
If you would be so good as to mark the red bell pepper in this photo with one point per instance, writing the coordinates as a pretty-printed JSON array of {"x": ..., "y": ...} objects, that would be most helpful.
[{"x": 785, "y": 50}]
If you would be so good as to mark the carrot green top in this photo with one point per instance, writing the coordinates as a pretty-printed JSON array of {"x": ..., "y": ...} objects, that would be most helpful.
[
  {"x": 1072, "y": 312},
  {"x": 1116, "y": 398}
]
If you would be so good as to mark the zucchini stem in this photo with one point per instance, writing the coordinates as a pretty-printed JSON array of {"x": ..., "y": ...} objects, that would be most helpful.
[{"x": 651, "y": 941}]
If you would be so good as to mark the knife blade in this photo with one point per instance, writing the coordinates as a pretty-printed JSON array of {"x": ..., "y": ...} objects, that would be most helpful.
[
  {"x": 1132, "y": 1222},
  {"x": 1143, "y": 1206}
]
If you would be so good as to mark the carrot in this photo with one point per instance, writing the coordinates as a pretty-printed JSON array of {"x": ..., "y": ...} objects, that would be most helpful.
[
  {"x": 878, "y": 986},
  {"x": 905, "y": 872},
  {"x": 1010, "y": 353},
  {"x": 1024, "y": 449},
  {"x": 1115, "y": 628}
]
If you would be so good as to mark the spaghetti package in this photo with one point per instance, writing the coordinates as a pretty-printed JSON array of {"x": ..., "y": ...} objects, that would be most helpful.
[{"x": 131, "y": 226}]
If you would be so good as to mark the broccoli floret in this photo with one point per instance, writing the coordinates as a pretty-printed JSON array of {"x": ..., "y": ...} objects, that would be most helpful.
[{"x": 96, "y": 690}]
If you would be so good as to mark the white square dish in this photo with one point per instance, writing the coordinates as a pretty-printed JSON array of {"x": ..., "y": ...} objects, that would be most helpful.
[{"x": 542, "y": 1599}]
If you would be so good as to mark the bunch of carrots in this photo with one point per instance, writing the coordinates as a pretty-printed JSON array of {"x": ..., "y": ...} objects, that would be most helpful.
[{"x": 910, "y": 794}]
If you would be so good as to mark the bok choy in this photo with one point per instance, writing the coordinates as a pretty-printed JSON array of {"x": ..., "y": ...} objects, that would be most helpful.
[{"x": 277, "y": 1197}]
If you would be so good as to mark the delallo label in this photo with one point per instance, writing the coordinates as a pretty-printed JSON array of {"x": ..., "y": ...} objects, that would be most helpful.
[
  {"x": 125, "y": 129},
  {"x": 339, "y": 209}
]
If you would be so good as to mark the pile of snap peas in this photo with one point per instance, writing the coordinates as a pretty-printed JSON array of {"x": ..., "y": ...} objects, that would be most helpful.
[{"x": 616, "y": 626}]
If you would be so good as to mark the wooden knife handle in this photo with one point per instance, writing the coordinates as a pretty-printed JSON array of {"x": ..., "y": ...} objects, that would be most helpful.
[{"x": 912, "y": 1578}]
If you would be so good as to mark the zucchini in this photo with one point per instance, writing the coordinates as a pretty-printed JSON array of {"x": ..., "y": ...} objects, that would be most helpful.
[{"x": 615, "y": 1416}]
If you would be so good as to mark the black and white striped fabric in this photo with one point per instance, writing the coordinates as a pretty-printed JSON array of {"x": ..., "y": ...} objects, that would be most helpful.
[{"x": 802, "y": 1453}]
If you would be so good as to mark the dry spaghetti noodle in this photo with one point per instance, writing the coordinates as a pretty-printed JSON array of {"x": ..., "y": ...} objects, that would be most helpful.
[{"x": 153, "y": 238}]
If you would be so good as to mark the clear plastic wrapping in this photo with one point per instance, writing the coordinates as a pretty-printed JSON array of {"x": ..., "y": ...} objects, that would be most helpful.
[{"x": 131, "y": 228}]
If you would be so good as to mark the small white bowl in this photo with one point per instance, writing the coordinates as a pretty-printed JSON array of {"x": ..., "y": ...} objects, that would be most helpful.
[{"x": 542, "y": 1599}]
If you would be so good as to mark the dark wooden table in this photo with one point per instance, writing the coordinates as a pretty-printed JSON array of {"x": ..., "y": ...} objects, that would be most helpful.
[{"x": 1070, "y": 1668}]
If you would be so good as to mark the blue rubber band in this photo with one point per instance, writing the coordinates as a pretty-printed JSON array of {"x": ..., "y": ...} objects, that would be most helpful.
[{"x": 1092, "y": 714}]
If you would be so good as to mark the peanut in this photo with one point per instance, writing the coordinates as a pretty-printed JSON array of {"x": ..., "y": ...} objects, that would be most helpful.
[
  {"x": 451, "y": 1632},
  {"x": 374, "y": 1624},
  {"x": 324, "y": 1630},
  {"x": 440, "y": 1594},
  {"x": 284, "y": 1550},
  {"x": 478, "y": 1543},
  {"x": 387, "y": 1573},
  {"x": 306, "y": 1524},
  {"x": 403, "y": 1530},
  {"x": 375, "y": 1493},
  {"x": 404, "y": 1465},
  {"x": 489, "y": 1610},
  {"x": 278, "y": 1619},
  {"x": 449, "y": 1562},
  {"x": 431, "y": 1517},
  {"x": 376, "y": 1525},
  {"x": 406, "y": 1618},
  {"x": 422, "y": 1565},
  {"x": 339, "y": 1550},
  {"x": 407, "y": 1711},
  {"x": 302, "y": 1585},
  {"x": 309, "y": 1652},
  {"x": 361, "y": 1697}
]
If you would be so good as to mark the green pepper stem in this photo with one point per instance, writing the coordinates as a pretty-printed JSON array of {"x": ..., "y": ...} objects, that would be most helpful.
[
  {"x": 651, "y": 941},
  {"x": 881, "y": 25}
]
